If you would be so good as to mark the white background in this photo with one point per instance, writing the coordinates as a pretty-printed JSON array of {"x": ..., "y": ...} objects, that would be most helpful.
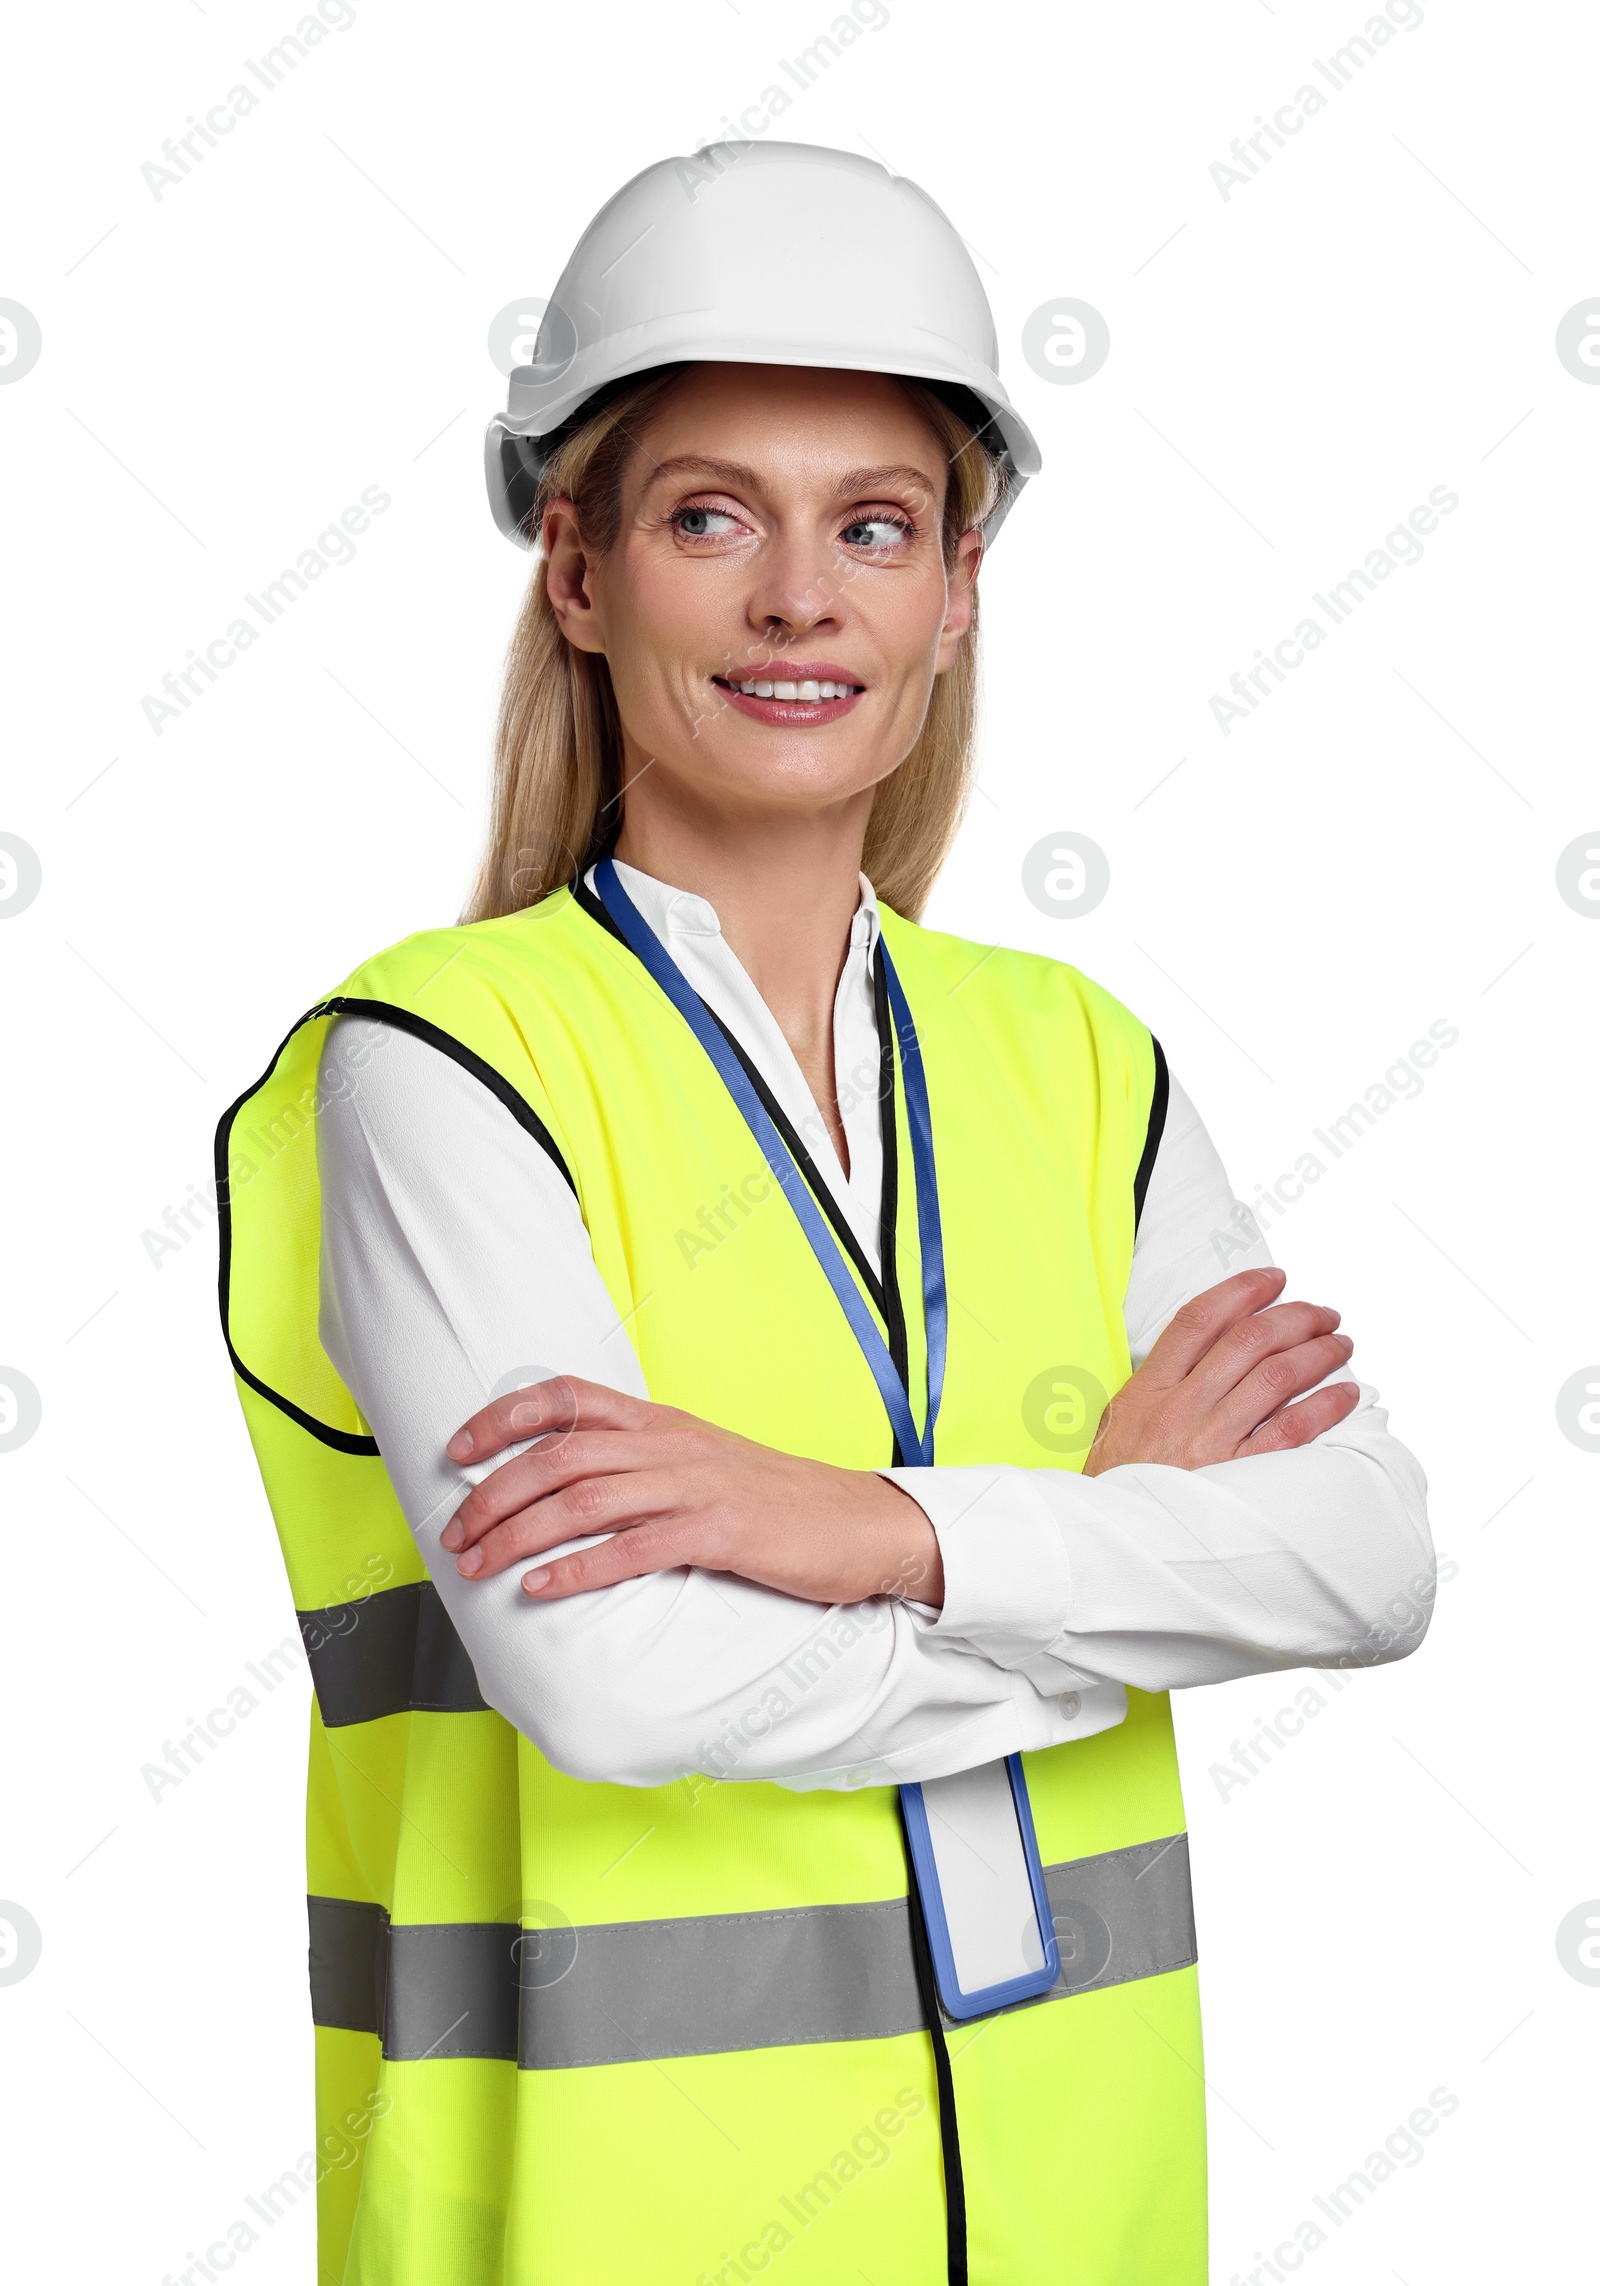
[{"x": 224, "y": 369}]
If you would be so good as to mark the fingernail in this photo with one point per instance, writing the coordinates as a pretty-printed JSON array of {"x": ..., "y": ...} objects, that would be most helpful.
[
  {"x": 460, "y": 1445},
  {"x": 533, "y": 1580},
  {"x": 452, "y": 1536},
  {"x": 471, "y": 1562}
]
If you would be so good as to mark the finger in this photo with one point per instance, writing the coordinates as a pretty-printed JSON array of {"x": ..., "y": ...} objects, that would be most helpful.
[
  {"x": 1298, "y": 1424},
  {"x": 1244, "y": 1345},
  {"x": 549, "y": 1467},
  {"x": 664, "y": 1545},
  {"x": 1277, "y": 1379},
  {"x": 594, "y": 1504},
  {"x": 1200, "y": 1322},
  {"x": 545, "y": 1408}
]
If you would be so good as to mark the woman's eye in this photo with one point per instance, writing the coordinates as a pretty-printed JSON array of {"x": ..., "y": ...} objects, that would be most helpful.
[
  {"x": 876, "y": 532},
  {"x": 705, "y": 523}
]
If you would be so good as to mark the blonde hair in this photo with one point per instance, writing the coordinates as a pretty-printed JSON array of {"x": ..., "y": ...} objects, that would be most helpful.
[{"x": 557, "y": 794}]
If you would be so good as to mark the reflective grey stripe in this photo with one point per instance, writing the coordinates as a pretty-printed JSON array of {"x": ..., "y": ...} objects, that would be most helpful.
[
  {"x": 348, "y": 1960},
  {"x": 390, "y": 1653},
  {"x": 453, "y": 1990},
  {"x": 619, "y": 1992},
  {"x": 734, "y": 1980},
  {"x": 1125, "y": 1915}
]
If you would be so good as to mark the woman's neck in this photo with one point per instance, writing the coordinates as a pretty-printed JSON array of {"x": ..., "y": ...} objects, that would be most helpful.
[{"x": 785, "y": 890}]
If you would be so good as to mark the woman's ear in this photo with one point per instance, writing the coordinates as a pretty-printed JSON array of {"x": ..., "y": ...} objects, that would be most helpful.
[
  {"x": 567, "y": 578},
  {"x": 963, "y": 598}
]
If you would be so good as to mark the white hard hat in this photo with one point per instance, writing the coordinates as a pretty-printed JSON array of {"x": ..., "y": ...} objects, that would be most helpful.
[{"x": 758, "y": 254}]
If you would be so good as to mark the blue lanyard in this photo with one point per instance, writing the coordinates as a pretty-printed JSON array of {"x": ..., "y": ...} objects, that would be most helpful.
[{"x": 916, "y": 1446}]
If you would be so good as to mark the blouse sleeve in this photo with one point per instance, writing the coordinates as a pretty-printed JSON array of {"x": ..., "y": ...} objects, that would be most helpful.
[
  {"x": 1166, "y": 1577},
  {"x": 455, "y": 1265}
]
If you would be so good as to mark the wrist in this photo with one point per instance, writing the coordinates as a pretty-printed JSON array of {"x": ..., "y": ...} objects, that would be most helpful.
[{"x": 914, "y": 1570}]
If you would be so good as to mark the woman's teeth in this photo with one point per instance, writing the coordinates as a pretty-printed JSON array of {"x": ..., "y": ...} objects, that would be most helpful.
[{"x": 808, "y": 693}]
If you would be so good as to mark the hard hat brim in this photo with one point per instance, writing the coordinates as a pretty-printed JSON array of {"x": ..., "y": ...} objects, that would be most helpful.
[{"x": 518, "y": 441}]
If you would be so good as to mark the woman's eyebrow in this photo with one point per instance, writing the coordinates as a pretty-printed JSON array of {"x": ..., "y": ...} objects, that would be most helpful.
[
  {"x": 869, "y": 479},
  {"x": 697, "y": 464},
  {"x": 735, "y": 474}
]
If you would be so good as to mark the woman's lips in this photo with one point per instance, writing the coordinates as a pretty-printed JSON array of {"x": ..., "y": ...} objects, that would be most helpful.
[{"x": 792, "y": 695}]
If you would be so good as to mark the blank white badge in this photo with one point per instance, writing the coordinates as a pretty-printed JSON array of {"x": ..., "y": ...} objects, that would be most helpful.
[{"x": 983, "y": 1876}]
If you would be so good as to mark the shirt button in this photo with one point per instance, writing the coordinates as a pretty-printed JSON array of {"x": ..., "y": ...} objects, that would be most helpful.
[{"x": 1071, "y": 1704}]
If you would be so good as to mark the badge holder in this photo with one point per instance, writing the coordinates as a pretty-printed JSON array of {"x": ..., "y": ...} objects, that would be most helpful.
[{"x": 963, "y": 2002}]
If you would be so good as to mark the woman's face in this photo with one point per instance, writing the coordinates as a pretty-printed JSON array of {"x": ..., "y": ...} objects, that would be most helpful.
[{"x": 777, "y": 602}]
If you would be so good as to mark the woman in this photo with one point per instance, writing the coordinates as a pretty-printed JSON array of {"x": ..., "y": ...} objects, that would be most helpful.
[{"x": 744, "y": 1823}]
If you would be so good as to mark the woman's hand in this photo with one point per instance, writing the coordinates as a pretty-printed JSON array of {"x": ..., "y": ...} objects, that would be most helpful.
[
  {"x": 1220, "y": 1384},
  {"x": 1217, "y": 1385},
  {"x": 674, "y": 1490}
]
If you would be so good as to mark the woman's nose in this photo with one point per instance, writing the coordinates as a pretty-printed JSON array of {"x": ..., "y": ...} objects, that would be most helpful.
[{"x": 798, "y": 585}]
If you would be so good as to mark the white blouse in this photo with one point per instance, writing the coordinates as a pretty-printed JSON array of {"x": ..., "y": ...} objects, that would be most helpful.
[{"x": 455, "y": 1265}]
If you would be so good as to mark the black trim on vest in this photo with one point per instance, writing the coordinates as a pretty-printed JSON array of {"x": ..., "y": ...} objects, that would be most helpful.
[
  {"x": 955, "y": 2193},
  {"x": 587, "y": 902},
  {"x": 1153, "y": 1133},
  {"x": 383, "y": 1012},
  {"x": 889, "y": 1197},
  {"x": 808, "y": 1167},
  {"x": 342, "y": 1440},
  {"x": 402, "y": 1019}
]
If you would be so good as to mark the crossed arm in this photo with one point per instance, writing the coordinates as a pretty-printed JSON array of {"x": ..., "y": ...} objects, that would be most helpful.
[
  {"x": 1235, "y": 1516},
  {"x": 1228, "y": 1380}
]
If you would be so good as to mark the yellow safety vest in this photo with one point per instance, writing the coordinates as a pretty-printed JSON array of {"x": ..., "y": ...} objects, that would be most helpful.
[{"x": 578, "y": 2034}]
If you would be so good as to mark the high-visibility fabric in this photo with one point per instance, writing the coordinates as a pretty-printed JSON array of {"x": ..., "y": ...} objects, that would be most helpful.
[{"x": 454, "y": 1870}]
